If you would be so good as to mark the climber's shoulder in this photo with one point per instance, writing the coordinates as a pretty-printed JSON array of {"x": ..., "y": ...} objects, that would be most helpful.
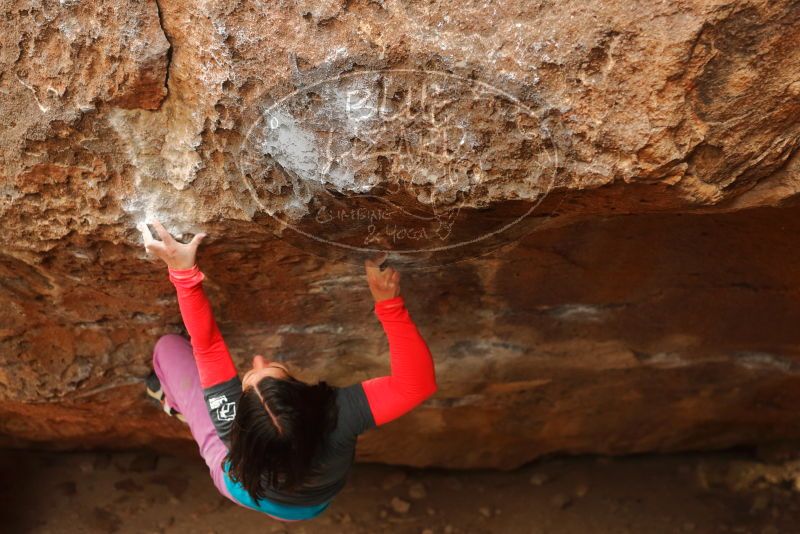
[{"x": 354, "y": 414}]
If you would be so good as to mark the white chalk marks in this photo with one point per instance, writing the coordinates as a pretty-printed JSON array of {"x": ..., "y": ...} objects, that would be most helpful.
[{"x": 424, "y": 164}]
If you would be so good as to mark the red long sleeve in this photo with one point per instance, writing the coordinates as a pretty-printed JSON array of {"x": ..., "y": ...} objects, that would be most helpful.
[
  {"x": 214, "y": 362},
  {"x": 413, "y": 378}
]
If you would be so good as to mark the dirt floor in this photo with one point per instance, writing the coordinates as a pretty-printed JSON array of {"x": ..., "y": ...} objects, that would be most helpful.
[{"x": 142, "y": 492}]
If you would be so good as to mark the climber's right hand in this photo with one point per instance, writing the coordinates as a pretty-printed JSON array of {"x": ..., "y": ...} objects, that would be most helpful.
[
  {"x": 383, "y": 284},
  {"x": 175, "y": 254}
]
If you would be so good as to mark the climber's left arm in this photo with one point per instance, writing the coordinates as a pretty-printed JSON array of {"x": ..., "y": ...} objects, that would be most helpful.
[
  {"x": 213, "y": 359},
  {"x": 214, "y": 362},
  {"x": 221, "y": 385}
]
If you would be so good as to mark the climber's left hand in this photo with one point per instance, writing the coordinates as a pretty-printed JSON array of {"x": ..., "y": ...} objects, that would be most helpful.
[{"x": 175, "y": 254}]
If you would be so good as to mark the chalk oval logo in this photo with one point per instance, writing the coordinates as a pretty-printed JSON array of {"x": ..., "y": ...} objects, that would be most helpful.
[{"x": 430, "y": 166}]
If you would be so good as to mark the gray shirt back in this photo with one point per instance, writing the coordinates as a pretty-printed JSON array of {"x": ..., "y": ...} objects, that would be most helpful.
[{"x": 332, "y": 463}]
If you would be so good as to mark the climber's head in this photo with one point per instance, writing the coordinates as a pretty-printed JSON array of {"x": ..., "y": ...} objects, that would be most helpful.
[
  {"x": 279, "y": 426},
  {"x": 262, "y": 369}
]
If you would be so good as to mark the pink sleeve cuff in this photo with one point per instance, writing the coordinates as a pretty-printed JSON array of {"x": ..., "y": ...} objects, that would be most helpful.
[
  {"x": 186, "y": 277},
  {"x": 387, "y": 305}
]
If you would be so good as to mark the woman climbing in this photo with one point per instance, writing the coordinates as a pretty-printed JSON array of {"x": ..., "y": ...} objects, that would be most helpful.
[{"x": 273, "y": 443}]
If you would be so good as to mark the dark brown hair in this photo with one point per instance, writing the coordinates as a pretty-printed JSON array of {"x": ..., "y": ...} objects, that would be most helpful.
[{"x": 279, "y": 427}]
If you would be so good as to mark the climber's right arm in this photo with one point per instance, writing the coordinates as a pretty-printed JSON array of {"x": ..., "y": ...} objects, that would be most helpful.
[{"x": 412, "y": 378}]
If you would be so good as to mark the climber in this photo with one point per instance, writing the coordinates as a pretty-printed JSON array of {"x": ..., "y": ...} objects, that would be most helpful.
[{"x": 273, "y": 443}]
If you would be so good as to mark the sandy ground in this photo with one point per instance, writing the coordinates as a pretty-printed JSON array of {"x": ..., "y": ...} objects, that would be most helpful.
[{"x": 142, "y": 492}]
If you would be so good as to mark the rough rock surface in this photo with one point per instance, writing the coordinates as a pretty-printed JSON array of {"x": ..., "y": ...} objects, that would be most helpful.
[{"x": 512, "y": 136}]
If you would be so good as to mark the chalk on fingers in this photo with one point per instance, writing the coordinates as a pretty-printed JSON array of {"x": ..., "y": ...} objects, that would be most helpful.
[{"x": 145, "y": 230}]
